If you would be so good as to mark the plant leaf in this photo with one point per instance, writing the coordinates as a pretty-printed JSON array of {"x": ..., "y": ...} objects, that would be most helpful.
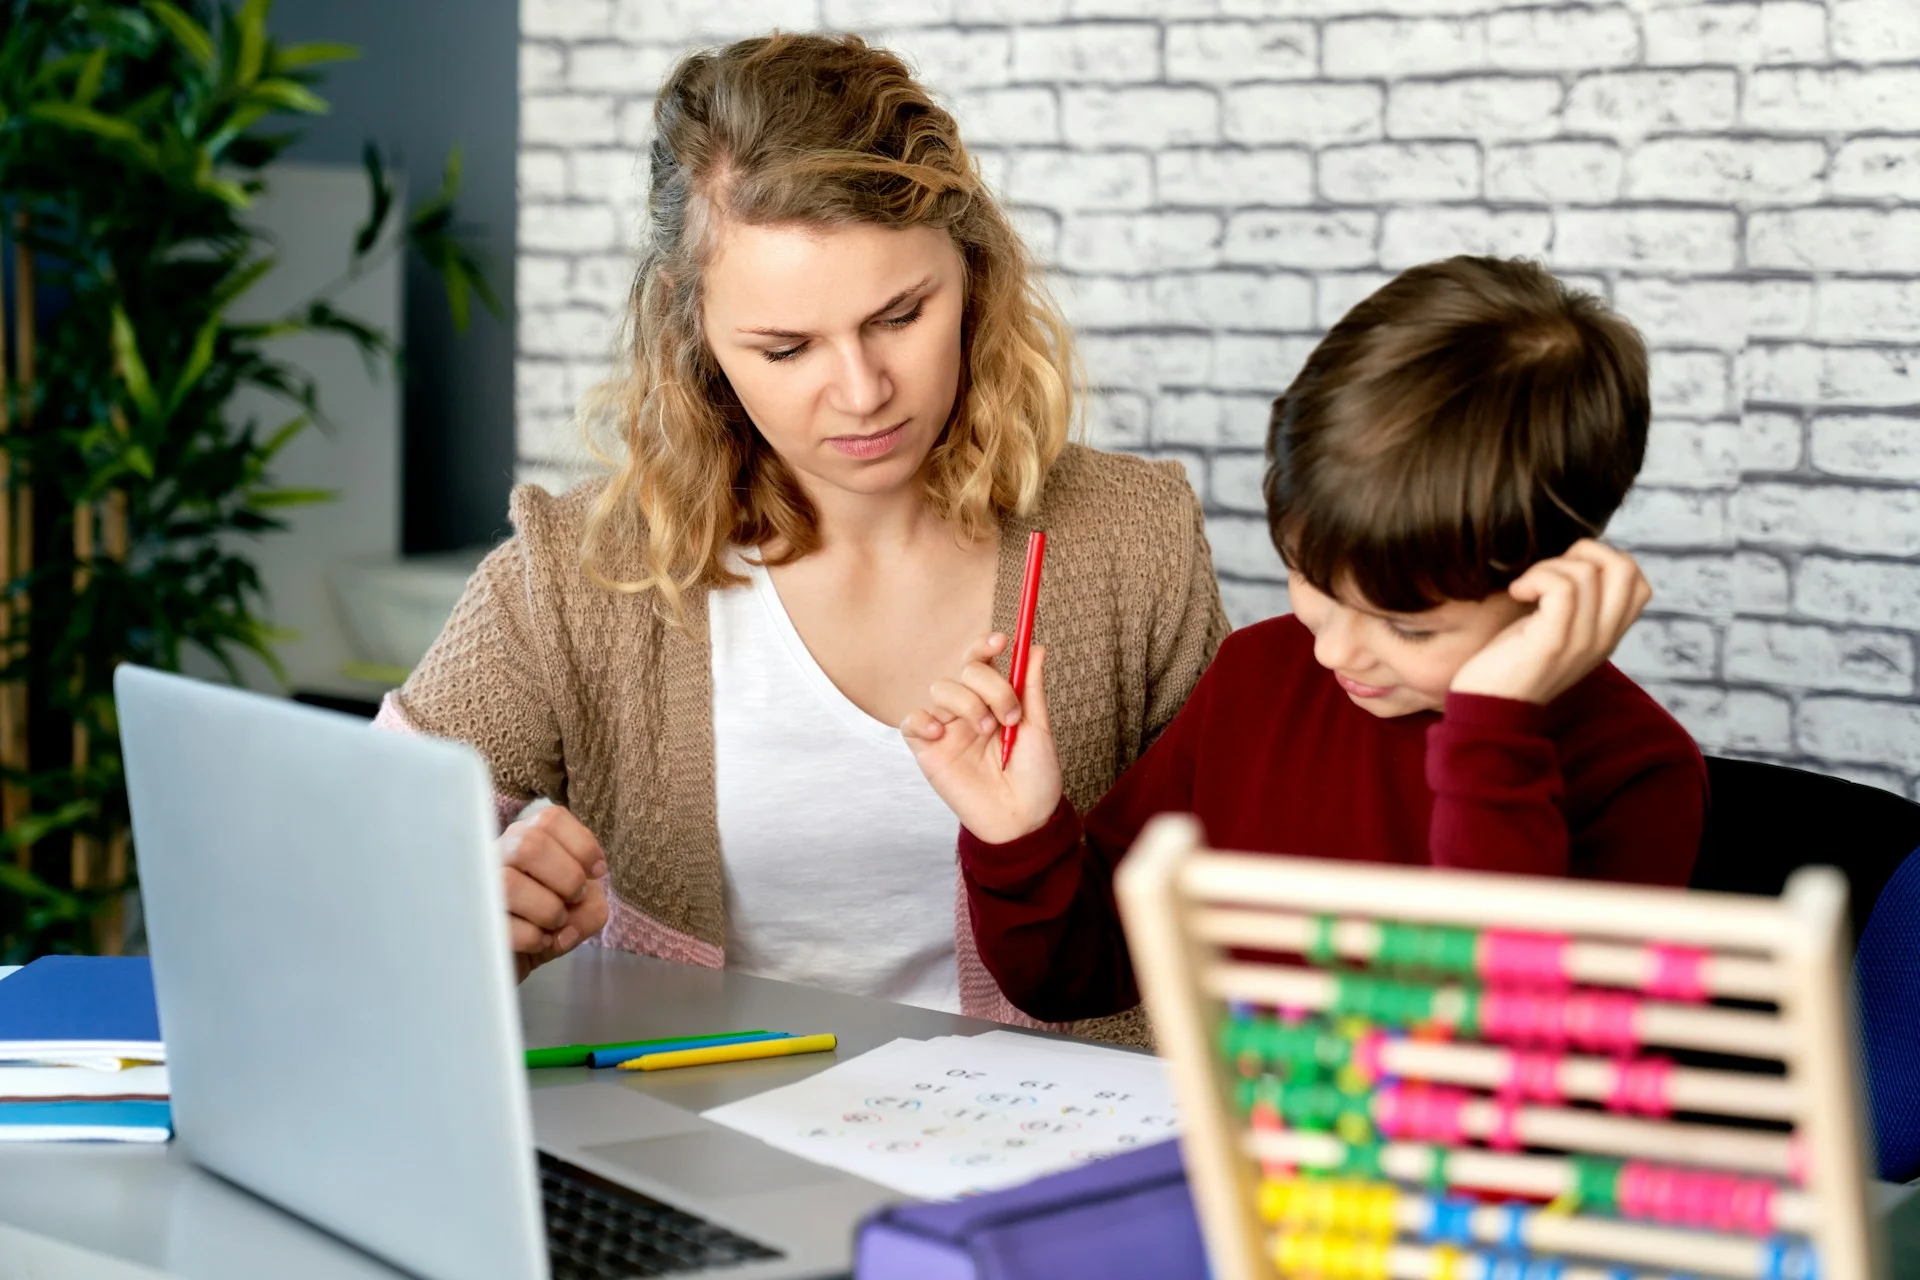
[
  {"x": 227, "y": 192},
  {"x": 372, "y": 343},
  {"x": 132, "y": 369},
  {"x": 191, "y": 35},
  {"x": 274, "y": 443},
  {"x": 242, "y": 119},
  {"x": 35, "y": 827},
  {"x": 253, "y": 40},
  {"x": 295, "y": 56},
  {"x": 197, "y": 362},
  {"x": 85, "y": 119},
  {"x": 289, "y": 95},
  {"x": 381, "y": 192},
  {"x": 242, "y": 279},
  {"x": 87, "y": 87},
  {"x": 455, "y": 275}
]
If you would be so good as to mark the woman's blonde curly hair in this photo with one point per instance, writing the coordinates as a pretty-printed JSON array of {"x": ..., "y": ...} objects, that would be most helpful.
[{"x": 820, "y": 131}]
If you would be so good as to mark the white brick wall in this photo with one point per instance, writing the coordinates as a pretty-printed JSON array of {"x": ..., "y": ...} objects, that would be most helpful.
[{"x": 1214, "y": 182}]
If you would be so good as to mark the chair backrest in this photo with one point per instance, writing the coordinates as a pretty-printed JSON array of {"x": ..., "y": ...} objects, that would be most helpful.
[
  {"x": 1887, "y": 969},
  {"x": 1765, "y": 821}
]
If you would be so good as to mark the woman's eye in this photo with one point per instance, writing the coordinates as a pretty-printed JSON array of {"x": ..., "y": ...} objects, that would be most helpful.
[
  {"x": 785, "y": 353},
  {"x": 904, "y": 319}
]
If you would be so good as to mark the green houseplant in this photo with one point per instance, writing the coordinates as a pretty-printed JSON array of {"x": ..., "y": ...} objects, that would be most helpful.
[{"x": 133, "y": 139}]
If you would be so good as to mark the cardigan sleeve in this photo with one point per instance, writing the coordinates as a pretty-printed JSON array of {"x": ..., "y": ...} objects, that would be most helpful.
[
  {"x": 1189, "y": 620},
  {"x": 485, "y": 680}
]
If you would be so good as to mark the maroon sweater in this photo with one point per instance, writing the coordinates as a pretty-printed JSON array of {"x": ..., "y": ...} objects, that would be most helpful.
[{"x": 1274, "y": 758}]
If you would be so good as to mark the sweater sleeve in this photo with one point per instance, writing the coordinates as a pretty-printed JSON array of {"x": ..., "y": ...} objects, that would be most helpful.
[
  {"x": 484, "y": 680},
  {"x": 1500, "y": 800},
  {"x": 1497, "y": 788},
  {"x": 1190, "y": 623},
  {"x": 1042, "y": 906}
]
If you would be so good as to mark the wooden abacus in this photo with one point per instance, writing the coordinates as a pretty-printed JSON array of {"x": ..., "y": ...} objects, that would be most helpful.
[{"x": 1404, "y": 1073}]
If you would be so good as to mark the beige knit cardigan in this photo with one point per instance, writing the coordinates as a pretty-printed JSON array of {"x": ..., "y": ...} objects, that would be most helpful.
[{"x": 589, "y": 698}]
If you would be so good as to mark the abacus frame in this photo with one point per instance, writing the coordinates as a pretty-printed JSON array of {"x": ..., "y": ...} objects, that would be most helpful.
[{"x": 1170, "y": 879}]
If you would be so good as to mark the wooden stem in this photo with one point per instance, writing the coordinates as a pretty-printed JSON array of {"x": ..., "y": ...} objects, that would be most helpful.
[
  {"x": 1535, "y": 1177},
  {"x": 1597, "y": 963},
  {"x": 1678, "y": 1026},
  {"x": 1407, "y": 1261},
  {"x": 1559, "y": 1233}
]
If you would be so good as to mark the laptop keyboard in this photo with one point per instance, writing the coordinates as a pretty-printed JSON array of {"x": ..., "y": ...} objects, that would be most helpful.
[{"x": 600, "y": 1230}]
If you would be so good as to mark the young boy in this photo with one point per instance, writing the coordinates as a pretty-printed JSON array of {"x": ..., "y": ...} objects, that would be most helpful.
[{"x": 1441, "y": 694}]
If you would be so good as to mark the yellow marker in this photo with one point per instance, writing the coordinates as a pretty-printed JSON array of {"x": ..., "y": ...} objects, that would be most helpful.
[{"x": 730, "y": 1053}]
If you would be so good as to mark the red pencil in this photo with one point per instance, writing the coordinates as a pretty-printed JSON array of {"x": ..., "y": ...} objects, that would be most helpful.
[{"x": 1023, "y": 633}]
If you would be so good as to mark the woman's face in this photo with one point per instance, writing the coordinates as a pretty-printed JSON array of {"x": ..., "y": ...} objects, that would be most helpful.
[{"x": 843, "y": 344}]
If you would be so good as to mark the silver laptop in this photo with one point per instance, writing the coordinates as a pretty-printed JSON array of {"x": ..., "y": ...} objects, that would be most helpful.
[{"x": 324, "y": 909}]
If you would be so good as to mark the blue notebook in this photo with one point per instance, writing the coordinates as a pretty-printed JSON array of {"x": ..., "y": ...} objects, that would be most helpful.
[
  {"x": 140, "y": 1121},
  {"x": 67, "y": 1008}
]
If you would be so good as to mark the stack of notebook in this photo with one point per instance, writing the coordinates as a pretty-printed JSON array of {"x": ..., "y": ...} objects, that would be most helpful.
[{"x": 80, "y": 1052}]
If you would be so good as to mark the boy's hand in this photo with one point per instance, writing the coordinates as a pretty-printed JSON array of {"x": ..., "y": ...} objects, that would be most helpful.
[
  {"x": 1584, "y": 602},
  {"x": 956, "y": 740}
]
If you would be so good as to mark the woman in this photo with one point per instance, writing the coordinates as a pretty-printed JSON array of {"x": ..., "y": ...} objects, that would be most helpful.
[{"x": 845, "y": 404}]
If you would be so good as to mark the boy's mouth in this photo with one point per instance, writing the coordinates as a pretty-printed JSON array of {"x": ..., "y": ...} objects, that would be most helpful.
[{"x": 1355, "y": 689}]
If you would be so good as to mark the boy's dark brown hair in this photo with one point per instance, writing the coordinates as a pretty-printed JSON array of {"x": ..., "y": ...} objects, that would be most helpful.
[{"x": 1468, "y": 419}]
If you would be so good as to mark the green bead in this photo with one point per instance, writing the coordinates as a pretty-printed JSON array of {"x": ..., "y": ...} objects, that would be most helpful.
[
  {"x": 1320, "y": 950},
  {"x": 1596, "y": 1182}
]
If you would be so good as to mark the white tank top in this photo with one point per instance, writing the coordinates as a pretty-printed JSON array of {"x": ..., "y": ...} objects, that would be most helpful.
[{"x": 838, "y": 858}]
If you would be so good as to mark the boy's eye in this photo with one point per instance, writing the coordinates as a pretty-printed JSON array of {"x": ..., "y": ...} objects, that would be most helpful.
[
  {"x": 1411, "y": 635},
  {"x": 905, "y": 318}
]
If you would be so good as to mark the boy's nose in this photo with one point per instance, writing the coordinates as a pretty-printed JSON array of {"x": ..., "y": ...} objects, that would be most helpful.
[{"x": 1334, "y": 645}]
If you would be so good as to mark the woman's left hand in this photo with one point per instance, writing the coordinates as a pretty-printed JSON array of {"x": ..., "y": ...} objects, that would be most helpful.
[{"x": 1584, "y": 601}]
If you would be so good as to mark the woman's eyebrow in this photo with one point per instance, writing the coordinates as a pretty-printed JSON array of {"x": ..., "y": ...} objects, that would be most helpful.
[{"x": 891, "y": 303}]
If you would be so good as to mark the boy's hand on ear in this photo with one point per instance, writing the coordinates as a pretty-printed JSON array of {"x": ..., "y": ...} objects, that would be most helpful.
[
  {"x": 956, "y": 740},
  {"x": 1584, "y": 602}
]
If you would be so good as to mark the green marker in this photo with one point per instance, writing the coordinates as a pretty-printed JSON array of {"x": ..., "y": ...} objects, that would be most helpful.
[{"x": 578, "y": 1055}]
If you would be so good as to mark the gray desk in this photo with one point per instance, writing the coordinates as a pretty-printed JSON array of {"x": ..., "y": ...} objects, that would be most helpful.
[
  {"x": 125, "y": 1212},
  {"x": 111, "y": 1212}
]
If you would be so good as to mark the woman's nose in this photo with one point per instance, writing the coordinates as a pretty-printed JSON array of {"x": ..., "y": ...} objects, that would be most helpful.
[{"x": 861, "y": 387}]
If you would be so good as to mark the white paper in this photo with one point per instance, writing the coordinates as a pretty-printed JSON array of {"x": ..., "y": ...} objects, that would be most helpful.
[
  {"x": 962, "y": 1114},
  {"x": 40, "y": 1081}
]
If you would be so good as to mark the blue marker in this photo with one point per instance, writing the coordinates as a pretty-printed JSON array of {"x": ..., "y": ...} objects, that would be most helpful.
[{"x": 617, "y": 1054}]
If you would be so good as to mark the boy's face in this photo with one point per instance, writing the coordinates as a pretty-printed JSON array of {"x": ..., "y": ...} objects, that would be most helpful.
[{"x": 1394, "y": 664}]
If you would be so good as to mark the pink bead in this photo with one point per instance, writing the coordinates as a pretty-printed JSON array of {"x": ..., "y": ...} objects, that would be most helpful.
[
  {"x": 1641, "y": 1086},
  {"x": 1677, "y": 973},
  {"x": 1505, "y": 1130},
  {"x": 1535, "y": 1076},
  {"x": 1388, "y": 1112},
  {"x": 1366, "y": 1054},
  {"x": 1603, "y": 1020},
  {"x": 1527, "y": 959}
]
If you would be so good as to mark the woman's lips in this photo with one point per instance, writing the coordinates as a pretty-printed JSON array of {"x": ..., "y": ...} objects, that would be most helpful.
[
  {"x": 1358, "y": 690},
  {"x": 873, "y": 446}
]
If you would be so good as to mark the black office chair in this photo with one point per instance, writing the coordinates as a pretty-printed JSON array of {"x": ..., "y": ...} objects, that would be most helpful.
[
  {"x": 1887, "y": 972},
  {"x": 1766, "y": 820}
]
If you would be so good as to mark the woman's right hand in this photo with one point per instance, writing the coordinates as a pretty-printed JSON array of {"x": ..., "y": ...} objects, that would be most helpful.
[
  {"x": 556, "y": 898},
  {"x": 956, "y": 740}
]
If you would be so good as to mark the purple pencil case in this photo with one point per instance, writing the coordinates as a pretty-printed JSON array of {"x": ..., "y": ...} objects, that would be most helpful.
[{"x": 1128, "y": 1215}]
